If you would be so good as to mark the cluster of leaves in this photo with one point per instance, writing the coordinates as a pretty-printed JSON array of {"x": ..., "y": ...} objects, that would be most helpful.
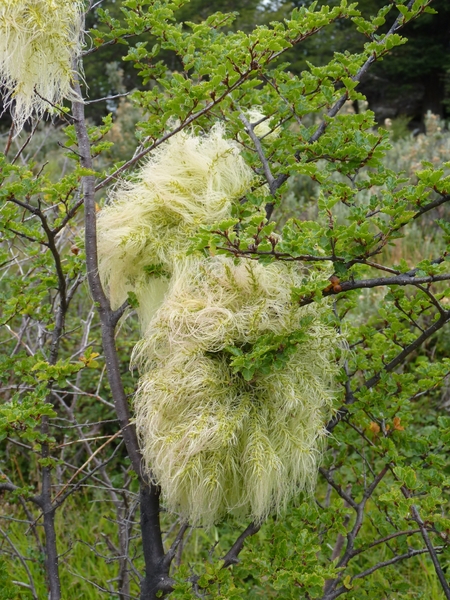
[{"x": 270, "y": 352}]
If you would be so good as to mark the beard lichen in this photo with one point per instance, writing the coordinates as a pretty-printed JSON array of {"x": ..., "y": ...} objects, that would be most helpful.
[
  {"x": 188, "y": 182},
  {"x": 39, "y": 41},
  {"x": 218, "y": 435}
]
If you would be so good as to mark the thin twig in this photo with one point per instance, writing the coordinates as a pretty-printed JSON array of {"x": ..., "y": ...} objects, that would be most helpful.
[
  {"x": 99, "y": 587},
  {"x": 411, "y": 552},
  {"x": 170, "y": 554},
  {"x": 384, "y": 540},
  {"x": 107, "y": 98},
  {"x": 9, "y": 140},
  {"x": 325, "y": 474},
  {"x": 27, "y": 141},
  {"x": 85, "y": 464},
  {"x": 259, "y": 149},
  {"x": 24, "y": 564},
  {"x": 430, "y": 548}
]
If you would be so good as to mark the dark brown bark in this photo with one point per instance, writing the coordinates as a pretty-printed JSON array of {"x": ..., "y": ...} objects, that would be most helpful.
[
  {"x": 156, "y": 568},
  {"x": 51, "y": 550},
  {"x": 156, "y": 571}
]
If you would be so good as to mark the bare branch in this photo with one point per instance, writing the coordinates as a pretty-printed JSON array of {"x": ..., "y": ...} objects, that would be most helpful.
[
  {"x": 385, "y": 539},
  {"x": 99, "y": 587},
  {"x": 118, "y": 392},
  {"x": 326, "y": 475},
  {"x": 231, "y": 557},
  {"x": 107, "y": 98},
  {"x": 411, "y": 552},
  {"x": 9, "y": 140},
  {"x": 170, "y": 554},
  {"x": 401, "y": 280},
  {"x": 259, "y": 149},
  {"x": 8, "y": 487},
  {"x": 85, "y": 464},
  {"x": 27, "y": 141},
  {"x": 85, "y": 478},
  {"x": 432, "y": 550}
]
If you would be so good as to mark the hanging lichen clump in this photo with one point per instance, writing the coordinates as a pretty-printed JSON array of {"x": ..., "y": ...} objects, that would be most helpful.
[
  {"x": 39, "y": 40},
  {"x": 218, "y": 438},
  {"x": 146, "y": 229}
]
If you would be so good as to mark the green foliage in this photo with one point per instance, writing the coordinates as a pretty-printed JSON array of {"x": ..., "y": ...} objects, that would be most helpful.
[
  {"x": 7, "y": 589},
  {"x": 362, "y": 211},
  {"x": 270, "y": 351},
  {"x": 156, "y": 270}
]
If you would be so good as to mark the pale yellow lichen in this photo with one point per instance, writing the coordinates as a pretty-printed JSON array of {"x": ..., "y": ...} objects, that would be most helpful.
[
  {"x": 39, "y": 42},
  {"x": 215, "y": 442},
  {"x": 187, "y": 182}
]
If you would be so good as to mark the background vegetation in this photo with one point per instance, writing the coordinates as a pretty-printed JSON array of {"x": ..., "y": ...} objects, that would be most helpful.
[{"x": 78, "y": 517}]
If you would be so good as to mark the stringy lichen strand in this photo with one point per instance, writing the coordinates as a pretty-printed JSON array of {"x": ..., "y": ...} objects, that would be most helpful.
[{"x": 39, "y": 41}]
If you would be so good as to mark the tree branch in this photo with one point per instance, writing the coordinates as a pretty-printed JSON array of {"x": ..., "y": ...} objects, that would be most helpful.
[
  {"x": 395, "y": 362},
  {"x": 10, "y": 487},
  {"x": 170, "y": 554},
  {"x": 404, "y": 279},
  {"x": 438, "y": 202},
  {"x": 384, "y": 540},
  {"x": 343, "y": 99},
  {"x": 80, "y": 469},
  {"x": 98, "y": 294},
  {"x": 259, "y": 149},
  {"x": 443, "y": 319},
  {"x": 430, "y": 548},
  {"x": 156, "y": 572},
  {"x": 326, "y": 475},
  {"x": 231, "y": 557}
]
